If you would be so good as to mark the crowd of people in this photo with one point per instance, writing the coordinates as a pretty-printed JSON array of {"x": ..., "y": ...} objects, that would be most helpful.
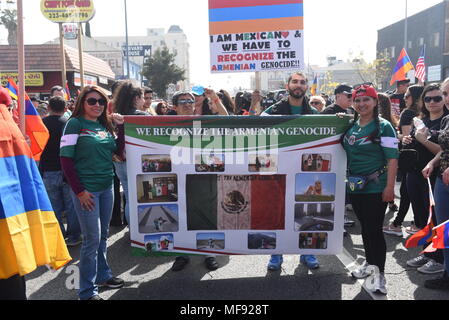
[{"x": 401, "y": 136}]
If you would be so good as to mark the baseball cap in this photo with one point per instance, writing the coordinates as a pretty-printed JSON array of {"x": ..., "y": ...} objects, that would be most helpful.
[
  {"x": 401, "y": 82},
  {"x": 365, "y": 91},
  {"x": 343, "y": 88},
  {"x": 198, "y": 90}
]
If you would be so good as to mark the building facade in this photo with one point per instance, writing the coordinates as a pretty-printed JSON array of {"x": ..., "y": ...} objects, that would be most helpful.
[
  {"x": 175, "y": 40},
  {"x": 429, "y": 28}
]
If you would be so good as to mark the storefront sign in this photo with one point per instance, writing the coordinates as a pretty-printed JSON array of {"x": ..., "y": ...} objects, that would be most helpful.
[
  {"x": 74, "y": 11},
  {"x": 32, "y": 79},
  {"x": 137, "y": 51},
  {"x": 70, "y": 31},
  {"x": 88, "y": 80},
  {"x": 236, "y": 185}
]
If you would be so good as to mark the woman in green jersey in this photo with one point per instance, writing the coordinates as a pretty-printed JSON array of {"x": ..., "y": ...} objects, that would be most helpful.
[{"x": 372, "y": 149}]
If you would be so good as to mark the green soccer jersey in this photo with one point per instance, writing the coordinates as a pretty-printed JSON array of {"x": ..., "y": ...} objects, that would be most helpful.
[
  {"x": 90, "y": 146},
  {"x": 366, "y": 157}
]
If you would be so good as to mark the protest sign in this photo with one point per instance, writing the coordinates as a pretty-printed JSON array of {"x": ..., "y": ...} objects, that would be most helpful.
[
  {"x": 256, "y": 35},
  {"x": 236, "y": 185}
]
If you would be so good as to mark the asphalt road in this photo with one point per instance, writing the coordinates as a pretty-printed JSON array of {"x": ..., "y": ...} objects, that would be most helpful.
[{"x": 242, "y": 277}]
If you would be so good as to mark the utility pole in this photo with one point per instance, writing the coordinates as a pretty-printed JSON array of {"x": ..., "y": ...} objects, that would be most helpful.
[{"x": 127, "y": 43}]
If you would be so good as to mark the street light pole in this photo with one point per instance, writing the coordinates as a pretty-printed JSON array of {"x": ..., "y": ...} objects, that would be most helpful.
[
  {"x": 406, "y": 25},
  {"x": 127, "y": 44}
]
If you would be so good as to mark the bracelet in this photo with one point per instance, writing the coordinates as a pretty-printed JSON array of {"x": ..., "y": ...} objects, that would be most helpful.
[{"x": 252, "y": 112}]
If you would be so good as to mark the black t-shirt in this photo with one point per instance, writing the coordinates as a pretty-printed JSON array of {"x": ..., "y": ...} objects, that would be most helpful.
[
  {"x": 424, "y": 155},
  {"x": 50, "y": 156},
  {"x": 335, "y": 108}
]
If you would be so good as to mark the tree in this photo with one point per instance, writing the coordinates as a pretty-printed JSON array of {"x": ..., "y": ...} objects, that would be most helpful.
[
  {"x": 8, "y": 19},
  {"x": 329, "y": 85},
  {"x": 161, "y": 71},
  {"x": 376, "y": 72}
]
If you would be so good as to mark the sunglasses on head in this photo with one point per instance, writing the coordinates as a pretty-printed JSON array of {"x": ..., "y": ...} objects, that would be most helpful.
[
  {"x": 436, "y": 99},
  {"x": 93, "y": 102},
  {"x": 185, "y": 101},
  {"x": 363, "y": 85}
]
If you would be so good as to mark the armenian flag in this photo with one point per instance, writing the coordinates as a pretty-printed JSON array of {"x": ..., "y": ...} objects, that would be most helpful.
[
  {"x": 35, "y": 128},
  {"x": 240, "y": 16},
  {"x": 441, "y": 240},
  {"x": 67, "y": 92},
  {"x": 12, "y": 89},
  {"x": 403, "y": 66},
  {"x": 30, "y": 235},
  {"x": 426, "y": 234},
  {"x": 314, "y": 87}
]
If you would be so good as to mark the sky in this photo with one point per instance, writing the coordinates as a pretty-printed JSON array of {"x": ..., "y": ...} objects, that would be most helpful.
[{"x": 342, "y": 28}]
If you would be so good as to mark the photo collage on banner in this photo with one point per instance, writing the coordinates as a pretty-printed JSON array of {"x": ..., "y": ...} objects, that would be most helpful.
[{"x": 236, "y": 195}]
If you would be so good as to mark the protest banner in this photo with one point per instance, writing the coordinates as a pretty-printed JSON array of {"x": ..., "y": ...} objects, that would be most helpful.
[
  {"x": 256, "y": 35},
  {"x": 236, "y": 185}
]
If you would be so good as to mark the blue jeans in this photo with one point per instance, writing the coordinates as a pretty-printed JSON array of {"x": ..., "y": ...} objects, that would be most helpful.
[
  {"x": 442, "y": 211},
  {"x": 59, "y": 194},
  {"x": 120, "y": 170},
  {"x": 94, "y": 268}
]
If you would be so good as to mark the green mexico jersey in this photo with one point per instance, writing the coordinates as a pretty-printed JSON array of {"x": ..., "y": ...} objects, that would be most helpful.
[
  {"x": 90, "y": 146},
  {"x": 366, "y": 157}
]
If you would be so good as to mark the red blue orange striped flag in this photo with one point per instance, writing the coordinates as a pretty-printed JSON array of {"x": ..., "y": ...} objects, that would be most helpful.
[
  {"x": 426, "y": 234},
  {"x": 35, "y": 128},
  {"x": 30, "y": 235},
  {"x": 403, "y": 66},
  {"x": 12, "y": 90},
  {"x": 239, "y": 16},
  {"x": 67, "y": 96}
]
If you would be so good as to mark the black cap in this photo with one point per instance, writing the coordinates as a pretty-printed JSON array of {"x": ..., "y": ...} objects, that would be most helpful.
[
  {"x": 343, "y": 88},
  {"x": 401, "y": 82}
]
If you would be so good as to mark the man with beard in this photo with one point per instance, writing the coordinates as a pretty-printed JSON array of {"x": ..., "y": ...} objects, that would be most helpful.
[{"x": 296, "y": 103}]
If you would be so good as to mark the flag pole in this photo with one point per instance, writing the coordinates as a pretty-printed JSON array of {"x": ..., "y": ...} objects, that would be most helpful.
[
  {"x": 21, "y": 66},
  {"x": 406, "y": 25}
]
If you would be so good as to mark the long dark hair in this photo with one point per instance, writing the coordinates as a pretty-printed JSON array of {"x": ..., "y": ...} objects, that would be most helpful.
[
  {"x": 125, "y": 96},
  {"x": 385, "y": 108},
  {"x": 416, "y": 93},
  {"x": 427, "y": 89},
  {"x": 103, "y": 119}
]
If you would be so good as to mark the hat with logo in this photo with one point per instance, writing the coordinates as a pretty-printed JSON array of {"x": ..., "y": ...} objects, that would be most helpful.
[{"x": 343, "y": 88}]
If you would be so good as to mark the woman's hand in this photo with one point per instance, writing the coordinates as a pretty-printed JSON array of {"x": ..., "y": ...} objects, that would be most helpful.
[
  {"x": 388, "y": 194},
  {"x": 118, "y": 119},
  {"x": 428, "y": 170},
  {"x": 407, "y": 140},
  {"x": 421, "y": 135},
  {"x": 86, "y": 200},
  {"x": 446, "y": 177}
]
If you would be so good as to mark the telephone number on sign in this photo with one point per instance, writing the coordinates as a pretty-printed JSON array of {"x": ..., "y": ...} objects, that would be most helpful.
[{"x": 68, "y": 15}]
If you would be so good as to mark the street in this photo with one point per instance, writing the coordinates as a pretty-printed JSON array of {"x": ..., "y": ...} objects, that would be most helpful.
[{"x": 243, "y": 277}]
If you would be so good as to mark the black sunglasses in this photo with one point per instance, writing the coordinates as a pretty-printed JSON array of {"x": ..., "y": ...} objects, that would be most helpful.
[
  {"x": 436, "y": 99},
  {"x": 93, "y": 101},
  {"x": 363, "y": 85}
]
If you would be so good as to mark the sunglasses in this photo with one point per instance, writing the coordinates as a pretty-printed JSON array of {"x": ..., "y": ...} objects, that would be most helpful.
[
  {"x": 185, "y": 101},
  {"x": 363, "y": 85},
  {"x": 93, "y": 102},
  {"x": 315, "y": 103},
  {"x": 436, "y": 99}
]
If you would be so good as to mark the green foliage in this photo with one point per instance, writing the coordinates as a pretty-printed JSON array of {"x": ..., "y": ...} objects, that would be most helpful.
[
  {"x": 8, "y": 19},
  {"x": 161, "y": 71}
]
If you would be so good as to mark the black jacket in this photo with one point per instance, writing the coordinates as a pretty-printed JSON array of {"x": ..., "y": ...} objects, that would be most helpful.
[{"x": 283, "y": 107}]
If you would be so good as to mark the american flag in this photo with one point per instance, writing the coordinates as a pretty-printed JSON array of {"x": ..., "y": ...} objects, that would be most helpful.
[{"x": 421, "y": 66}]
